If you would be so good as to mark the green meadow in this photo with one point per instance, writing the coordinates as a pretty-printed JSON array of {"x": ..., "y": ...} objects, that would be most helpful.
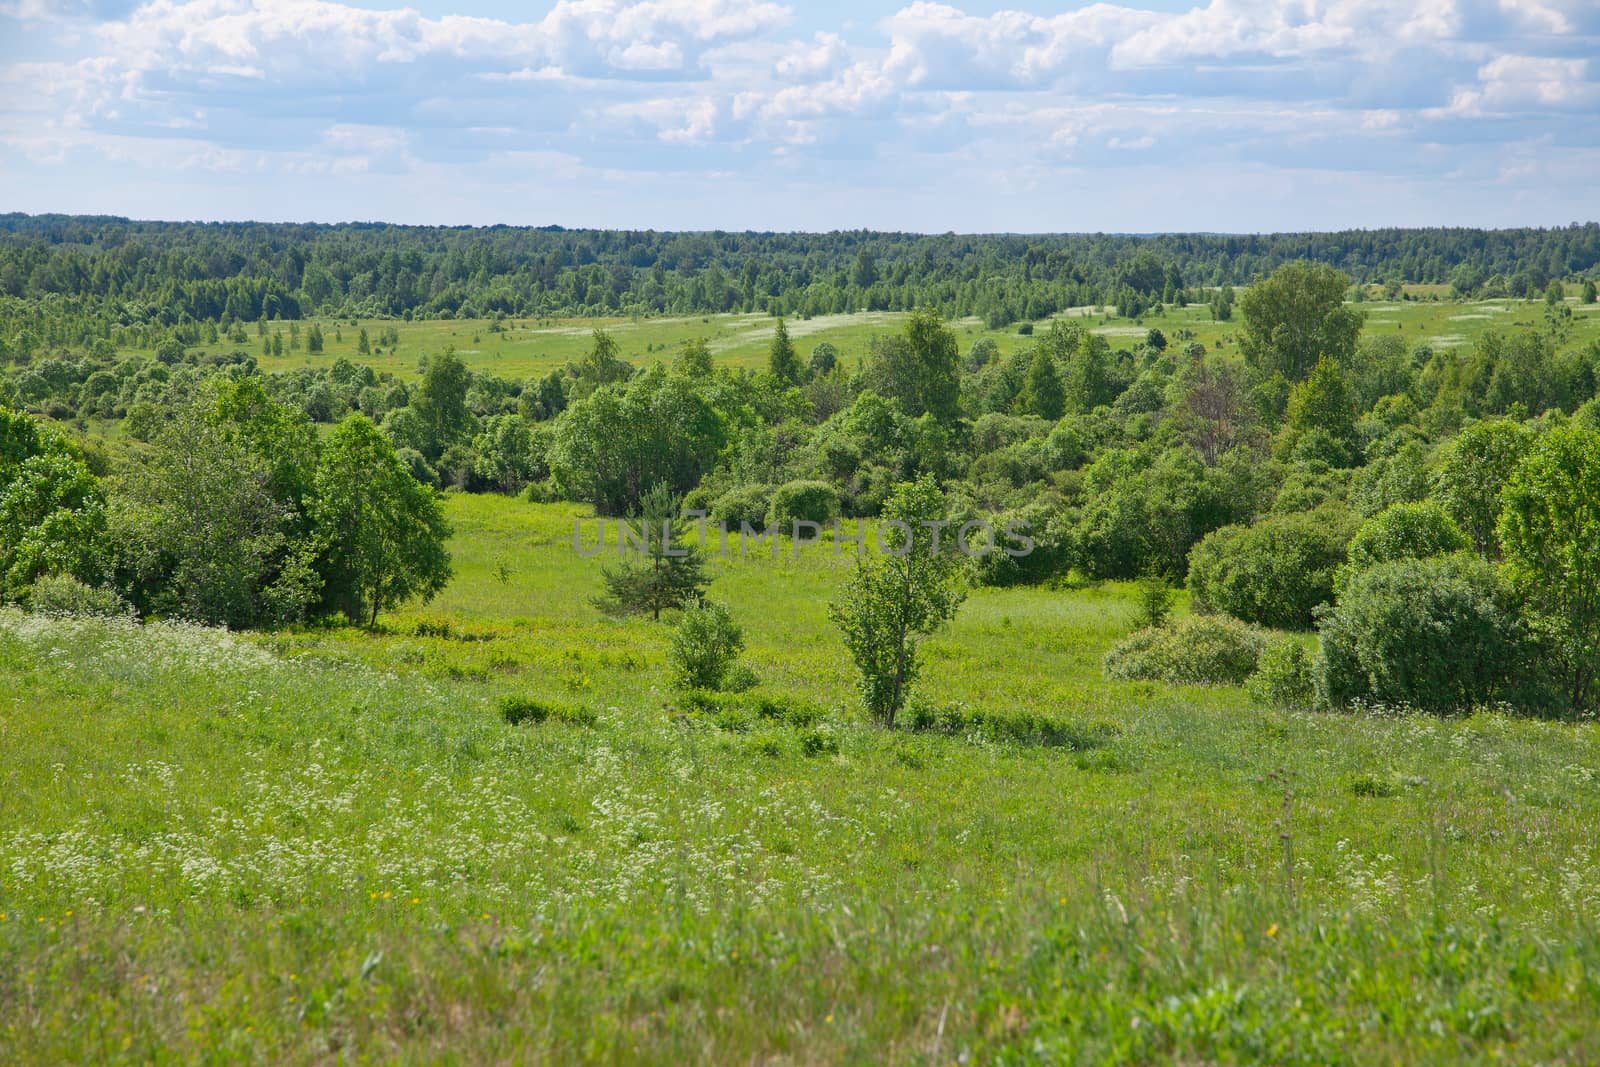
[
  {"x": 517, "y": 348},
  {"x": 328, "y": 845}
]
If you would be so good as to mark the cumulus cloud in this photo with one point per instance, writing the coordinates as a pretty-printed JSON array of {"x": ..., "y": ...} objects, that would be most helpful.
[{"x": 732, "y": 87}]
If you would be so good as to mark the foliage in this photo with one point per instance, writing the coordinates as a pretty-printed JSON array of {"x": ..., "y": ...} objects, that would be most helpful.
[
  {"x": 1296, "y": 317},
  {"x": 660, "y": 568},
  {"x": 383, "y": 534},
  {"x": 52, "y": 511},
  {"x": 782, "y": 362},
  {"x": 1155, "y": 595},
  {"x": 1550, "y": 529},
  {"x": 1283, "y": 677},
  {"x": 1404, "y": 531},
  {"x": 803, "y": 501},
  {"x": 63, "y": 596},
  {"x": 1195, "y": 650},
  {"x": 747, "y": 504},
  {"x": 893, "y": 599},
  {"x": 705, "y": 646},
  {"x": 1274, "y": 573},
  {"x": 920, "y": 368},
  {"x": 1437, "y": 634},
  {"x": 1473, "y": 468}
]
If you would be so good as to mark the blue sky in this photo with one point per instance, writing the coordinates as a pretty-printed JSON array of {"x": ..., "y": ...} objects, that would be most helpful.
[{"x": 1237, "y": 115}]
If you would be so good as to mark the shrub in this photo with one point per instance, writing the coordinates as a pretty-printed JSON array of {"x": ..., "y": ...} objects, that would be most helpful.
[
  {"x": 1019, "y": 725},
  {"x": 1274, "y": 573},
  {"x": 803, "y": 502},
  {"x": 518, "y": 710},
  {"x": 1283, "y": 677},
  {"x": 63, "y": 596},
  {"x": 1404, "y": 531},
  {"x": 1436, "y": 634},
  {"x": 748, "y": 503},
  {"x": 1197, "y": 650},
  {"x": 705, "y": 646},
  {"x": 820, "y": 740}
]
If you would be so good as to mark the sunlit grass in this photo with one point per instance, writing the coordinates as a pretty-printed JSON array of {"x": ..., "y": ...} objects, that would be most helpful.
[{"x": 313, "y": 846}]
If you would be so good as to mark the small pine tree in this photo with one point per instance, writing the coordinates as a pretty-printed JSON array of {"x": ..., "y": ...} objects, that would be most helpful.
[
  {"x": 781, "y": 358},
  {"x": 1155, "y": 597},
  {"x": 363, "y": 344},
  {"x": 314, "y": 338},
  {"x": 669, "y": 572},
  {"x": 1589, "y": 292}
]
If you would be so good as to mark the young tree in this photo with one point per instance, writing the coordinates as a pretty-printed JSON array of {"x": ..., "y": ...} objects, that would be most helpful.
[
  {"x": 781, "y": 358},
  {"x": 705, "y": 646},
  {"x": 1042, "y": 393},
  {"x": 384, "y": 532},
  {"x": 1297, "y": 316},
  {"x": 920, "y": 368},
  {"x": 52, "y": 512},
  {"x": 916, "y": 586},
  {"x": 1590, "y": 293},
  {"x": 694, "y": 359},
  {"x": 670, "y": 571},
  {"x": 441, "y": 401},
  {"x": 1473, "y": 468},
  {"x": 1550, "y": 530}
]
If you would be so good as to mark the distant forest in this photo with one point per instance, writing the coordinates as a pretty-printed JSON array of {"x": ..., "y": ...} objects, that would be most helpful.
[{"x": 79, "y": 278}]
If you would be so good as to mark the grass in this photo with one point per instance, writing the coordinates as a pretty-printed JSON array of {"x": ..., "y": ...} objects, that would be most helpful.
[
  {"x": 331, "y": 845},
  {"x": 525, "y": 348}
]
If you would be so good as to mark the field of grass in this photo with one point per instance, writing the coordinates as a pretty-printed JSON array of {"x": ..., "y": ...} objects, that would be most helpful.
[
  {"x": 526, "y": 348},
  {"x": 328, "y": 845}
]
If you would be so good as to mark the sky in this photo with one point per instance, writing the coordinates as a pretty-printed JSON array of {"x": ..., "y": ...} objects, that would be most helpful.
[{"x": 1230, "y": 115}]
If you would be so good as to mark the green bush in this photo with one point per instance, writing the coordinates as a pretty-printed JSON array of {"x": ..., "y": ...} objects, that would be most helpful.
[
  {"x": 1404, "y": 531},
  {"x": 1195, "y": 650},
  {"x": 518, "y": 710},
  {"x": 1283, "y": 676},
  {"x": 63, "y": 596},
  {"x": 746, "y": 504},
  {"x": 1275, "y": 573},
  {"x": 705, "y": 646},
  {"x": 1018, "y": 725},
  {"x": 1435, "y": 634},
  {"x": 803, "y": 502}
]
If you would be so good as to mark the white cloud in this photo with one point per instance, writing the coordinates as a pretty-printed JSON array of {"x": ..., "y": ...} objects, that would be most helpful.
[{"x": 652, "y": 87}]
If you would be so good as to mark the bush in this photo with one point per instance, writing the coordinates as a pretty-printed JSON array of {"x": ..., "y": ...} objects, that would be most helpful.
[
  {"x": 1197, "y": 650},
  {"x": 1283, "y": 677},
  {"x": 803, "y": 502},
  {"x": 748, "y": 503},
  {"x": 1020, "y": 725},
  {"x": 1435, "y": 634},
  {"x": 1275, "y": 573},
  {"x": 63, "y": 596},
  {"x": 518, "y": 710},
  {"x": 1404, "y": 531},
  {"x": 705, "y": 646}
]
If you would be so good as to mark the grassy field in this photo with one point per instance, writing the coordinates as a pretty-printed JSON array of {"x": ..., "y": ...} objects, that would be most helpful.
[
  {"x": 527, "y": 348},
  {"x": 328, "y": 845}
]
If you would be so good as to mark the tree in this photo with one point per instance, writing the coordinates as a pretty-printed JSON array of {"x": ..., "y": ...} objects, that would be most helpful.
[
  {"x": 1550, "y": 530},
  {"x": 920, "y": 368},
  {"x": 915, "y": 587},
  {"x": 1473, "y": 468},
  {"x": 1404, "y": 531},
  {"x": 505, "y": 454},
  {"x": 52, "y": 511},
  {"x": 1322, "y": 404},
  {"x": 1087, "y": 382},
  {"x": 670, "y": 572},
  {"x": 611, "y": 447},
  {"x": 824, "y": 357},
  {"x": 203, "y": 534},
  {"x": 602, "y": 364},
  {"x": 781, "y": 358},
  {"x": 384, "y": 533},
  {"x": 694, "y": 359},
  {"x": 1590, "y": 294},
  {"x": 441, "y": 401},
  {"x": 1297, "y": 316},
  {"x": 1042, "y": 393}
]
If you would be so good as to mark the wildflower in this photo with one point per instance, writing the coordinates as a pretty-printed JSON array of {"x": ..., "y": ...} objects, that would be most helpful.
[{"x": 1272, "y": 931}]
